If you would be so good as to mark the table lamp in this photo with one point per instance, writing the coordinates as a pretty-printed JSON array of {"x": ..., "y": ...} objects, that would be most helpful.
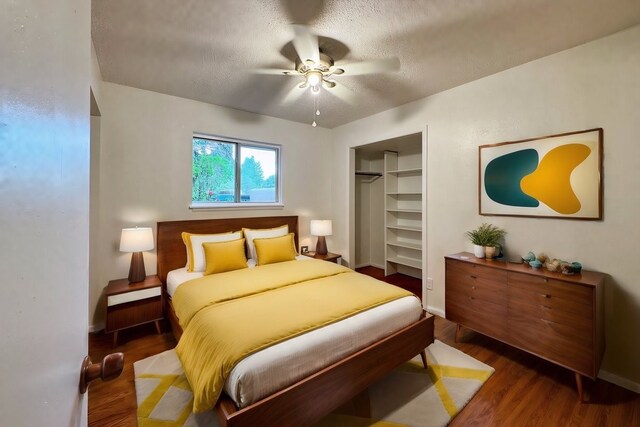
[
  {"x": 136, "y": 240},
  {"x": 321, "y": 228}
]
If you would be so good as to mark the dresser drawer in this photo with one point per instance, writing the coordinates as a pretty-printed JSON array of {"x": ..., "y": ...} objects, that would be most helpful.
[
  {"x": 534, "y": 310},
  {"x": 474, "y": 270},
  {"x": 488, "y": 319},
  {"x": 476, "y": 284},
  {"x": 477, "y": 288},
  {"x": 546, "y": 339},
  {"x": 552, "y": 289}
]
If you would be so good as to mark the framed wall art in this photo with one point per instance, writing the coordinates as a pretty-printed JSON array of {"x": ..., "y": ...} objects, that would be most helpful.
[{"x": 557, "y": 176}]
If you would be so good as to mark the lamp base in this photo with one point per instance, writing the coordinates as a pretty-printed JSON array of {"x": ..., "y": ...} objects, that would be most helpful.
[
  {"x": 321, "y": 246},
  {"x": 136, "y": 269}
]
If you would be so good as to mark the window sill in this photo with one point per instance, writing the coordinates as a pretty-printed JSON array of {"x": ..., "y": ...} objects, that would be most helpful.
[{"x": 234, "y": 206}]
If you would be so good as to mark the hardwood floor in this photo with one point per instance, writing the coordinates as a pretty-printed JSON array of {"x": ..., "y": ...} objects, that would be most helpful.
[
  {"x": 403, "y": 281},
  {"x": 113, "y": 403},
  {"x": 524, "y": 391}
]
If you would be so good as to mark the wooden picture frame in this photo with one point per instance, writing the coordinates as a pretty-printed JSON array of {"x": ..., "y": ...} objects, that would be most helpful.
[{"x": 555, "y": 176}]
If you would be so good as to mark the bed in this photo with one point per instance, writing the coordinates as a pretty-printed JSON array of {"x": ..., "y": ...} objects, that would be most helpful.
[{"x": 308, "y": 399}]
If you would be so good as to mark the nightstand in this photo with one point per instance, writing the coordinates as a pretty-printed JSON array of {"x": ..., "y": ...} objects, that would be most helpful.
[
  {"x": 331, "y": 257},
  {"x": 132, "y": 304}
]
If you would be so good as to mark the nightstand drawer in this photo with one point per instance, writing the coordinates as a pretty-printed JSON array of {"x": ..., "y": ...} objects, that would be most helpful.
[
  {"x": 133, "y": 296},
  {"x": 133, "y": 313}
]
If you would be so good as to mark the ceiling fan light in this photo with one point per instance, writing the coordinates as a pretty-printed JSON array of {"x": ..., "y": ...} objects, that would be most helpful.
[
  {"x": 314, "y": 78},
  {"x": 315, "y": 90}
]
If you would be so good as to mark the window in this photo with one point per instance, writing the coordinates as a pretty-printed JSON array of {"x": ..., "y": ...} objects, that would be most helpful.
[{"x": 228, "y": 172}]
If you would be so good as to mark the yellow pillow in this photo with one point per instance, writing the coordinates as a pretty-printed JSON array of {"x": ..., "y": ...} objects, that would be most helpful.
[
  {"x": 275, "y": 249},
  {"x": 262, "y": 233},
  {"x": 195, "y": 253},
  {"x": 224, "y": 256}
]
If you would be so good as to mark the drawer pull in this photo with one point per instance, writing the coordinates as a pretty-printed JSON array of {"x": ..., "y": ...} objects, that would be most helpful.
[
  {"x": 473, "y": 287},
  {"x": 545, "y": 295},
  {"x": 546, "y": 280},
  {"x": 474, "y": 277}
]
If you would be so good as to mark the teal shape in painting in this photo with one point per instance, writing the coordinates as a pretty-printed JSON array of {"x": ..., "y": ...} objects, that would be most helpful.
[{"x": 503, "y": 174}]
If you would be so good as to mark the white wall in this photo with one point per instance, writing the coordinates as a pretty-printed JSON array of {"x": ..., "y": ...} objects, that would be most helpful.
[
  {"x": 145, "y": 170},
  {"x": 594, "y": 85},
  {"x": 44, "y": 218}
]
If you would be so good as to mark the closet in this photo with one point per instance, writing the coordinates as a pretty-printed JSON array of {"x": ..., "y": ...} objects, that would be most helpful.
[{"x": 388, "y": 204}]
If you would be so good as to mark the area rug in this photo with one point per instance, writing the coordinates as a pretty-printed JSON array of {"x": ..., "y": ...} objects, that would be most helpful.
[{"x": 408, "y": 396}]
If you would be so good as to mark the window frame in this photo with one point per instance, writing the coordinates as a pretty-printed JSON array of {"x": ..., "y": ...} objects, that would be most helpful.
[{"x": 238, "y": 171}]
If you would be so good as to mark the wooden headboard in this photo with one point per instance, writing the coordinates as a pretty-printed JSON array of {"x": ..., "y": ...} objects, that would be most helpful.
[{"x": 171, "y": 251}]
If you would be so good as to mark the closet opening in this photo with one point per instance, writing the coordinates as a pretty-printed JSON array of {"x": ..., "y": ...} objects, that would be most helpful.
[{"x": 389, "y": 210}]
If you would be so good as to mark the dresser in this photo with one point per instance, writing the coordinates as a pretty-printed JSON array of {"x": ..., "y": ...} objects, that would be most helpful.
[{"x": 557, "y": 317}]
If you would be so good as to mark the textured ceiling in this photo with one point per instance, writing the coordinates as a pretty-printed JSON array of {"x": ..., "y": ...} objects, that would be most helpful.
[{"x": 205, "y": 49}]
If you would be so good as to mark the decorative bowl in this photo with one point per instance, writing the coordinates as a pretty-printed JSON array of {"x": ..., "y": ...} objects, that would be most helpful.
[{"x": 535, "y": 263}]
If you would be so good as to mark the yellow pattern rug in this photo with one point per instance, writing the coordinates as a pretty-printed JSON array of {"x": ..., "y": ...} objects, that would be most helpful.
[{"x": 408, "y": 396}]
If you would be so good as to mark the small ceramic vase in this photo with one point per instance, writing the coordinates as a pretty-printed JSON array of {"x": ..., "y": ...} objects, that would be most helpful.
[
  {"x": 489, "y": 252},
  {"x": 478, "y": 251}
]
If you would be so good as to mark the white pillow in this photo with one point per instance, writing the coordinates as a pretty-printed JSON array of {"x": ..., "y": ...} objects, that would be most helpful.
[
  {"x": 250, "y": 234},
  {"x": 195, "y": 241}
]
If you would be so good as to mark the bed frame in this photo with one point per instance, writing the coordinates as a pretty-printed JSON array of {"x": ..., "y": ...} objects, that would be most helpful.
[{"x": 307, "y": 401}]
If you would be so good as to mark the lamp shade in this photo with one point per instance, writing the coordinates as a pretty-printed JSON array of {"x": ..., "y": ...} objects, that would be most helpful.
[
  {"x": 136, "y": 239},
  {"x": 321, "y": 227}
]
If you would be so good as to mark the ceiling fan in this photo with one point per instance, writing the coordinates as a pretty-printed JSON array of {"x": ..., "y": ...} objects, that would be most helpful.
[{"x": 318, "y": 69}]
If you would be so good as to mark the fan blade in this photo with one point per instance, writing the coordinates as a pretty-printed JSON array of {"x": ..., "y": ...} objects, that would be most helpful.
[
  {"x": 329, "y": 83},
  {"x": 276, "y": 72},
  {"x": 306, "y": 44},
  {"x": 371, "y": 67},
  {"x": 293, "y": 95},
  {"x": 343, "y": 93}
]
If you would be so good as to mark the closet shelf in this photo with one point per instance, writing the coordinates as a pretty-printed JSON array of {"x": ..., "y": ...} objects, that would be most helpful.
[
  {"x": 411, "y": 262},
  {"x": 413, "y": 171},
  {"x": 405, "y": 193},
  {"x": 404, "y": 210},
  {"x": 404, "y": 227},
  {"x": 403, "y": 244}
]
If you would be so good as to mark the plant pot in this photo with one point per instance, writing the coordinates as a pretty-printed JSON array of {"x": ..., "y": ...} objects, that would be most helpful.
[
  {"x": 489, "y": 252},
  {"x": 478, "y": 251}
]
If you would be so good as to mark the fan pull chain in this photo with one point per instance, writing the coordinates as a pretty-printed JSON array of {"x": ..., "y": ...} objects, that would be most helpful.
[{"x": 316, "y": 108}]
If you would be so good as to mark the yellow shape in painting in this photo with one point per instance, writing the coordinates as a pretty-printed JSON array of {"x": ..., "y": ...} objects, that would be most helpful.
[{"x": 550, "y": 183}]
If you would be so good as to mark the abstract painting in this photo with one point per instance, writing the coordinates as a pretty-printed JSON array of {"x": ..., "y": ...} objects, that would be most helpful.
[{"x": 557, "y": 176}]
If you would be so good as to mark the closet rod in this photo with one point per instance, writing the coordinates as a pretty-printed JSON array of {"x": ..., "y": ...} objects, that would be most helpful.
[{"x": 373, "y": 175}]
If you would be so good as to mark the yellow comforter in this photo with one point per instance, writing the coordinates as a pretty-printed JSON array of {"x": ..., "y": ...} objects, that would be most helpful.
[{"x": 228, "y": 316}]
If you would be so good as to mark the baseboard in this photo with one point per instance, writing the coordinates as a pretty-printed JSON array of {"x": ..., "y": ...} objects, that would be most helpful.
[
  {"x": 618, "y": 380},
  {"x": 95, "y": 328},
  {"x": 377, "y": 266},
  {"x": 436, "y": 311}
]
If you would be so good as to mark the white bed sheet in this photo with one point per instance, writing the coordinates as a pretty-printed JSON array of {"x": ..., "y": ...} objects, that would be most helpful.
[{"x": 281, "y": 365}]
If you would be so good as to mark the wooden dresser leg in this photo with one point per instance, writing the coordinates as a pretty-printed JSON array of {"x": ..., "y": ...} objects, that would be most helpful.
[
  {"x": 158, "y": 327},
  {"x": 423, "y": 356},
  {"x": 115, "y": 338},
  {"x": 579, "y": 385},
  {"x": 456, "y": 338}
]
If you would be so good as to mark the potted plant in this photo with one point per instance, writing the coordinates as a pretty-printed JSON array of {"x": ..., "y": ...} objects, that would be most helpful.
[
  {"x": 484, "y": 239},
  {"x": 495, "y": 234}
]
